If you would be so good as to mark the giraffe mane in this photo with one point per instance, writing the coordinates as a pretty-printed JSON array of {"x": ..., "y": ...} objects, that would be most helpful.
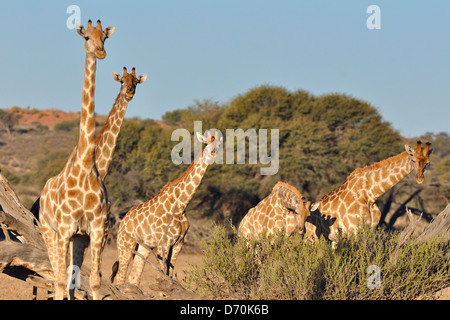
[
  {"x": 379, "y": 164},
  {"x": 104, "y": 127},
  {"x": 281, "y": 184},
  {"x": 174, "y": 182}
]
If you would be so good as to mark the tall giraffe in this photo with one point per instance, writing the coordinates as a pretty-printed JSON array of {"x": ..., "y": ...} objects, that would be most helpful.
[
  {"x": 105, "y": 143},
  {"x": 354, "y": 201},
  {"x": 73, "y": 205},
  {"x": 283, "y": 210},
  {"x": 107, "y": 138},
  {"x": 161, "y": 223}
]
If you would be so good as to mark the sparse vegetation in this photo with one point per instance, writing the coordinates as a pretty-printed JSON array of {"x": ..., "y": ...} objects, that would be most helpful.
[{"x": 292, "y": 268}]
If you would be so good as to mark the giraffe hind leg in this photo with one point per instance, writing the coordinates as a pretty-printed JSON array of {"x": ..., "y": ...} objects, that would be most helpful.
[{"x": 77, "y": 251}]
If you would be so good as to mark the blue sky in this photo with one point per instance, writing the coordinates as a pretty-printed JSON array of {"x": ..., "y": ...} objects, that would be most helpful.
[{"x": 206, "y": 49}]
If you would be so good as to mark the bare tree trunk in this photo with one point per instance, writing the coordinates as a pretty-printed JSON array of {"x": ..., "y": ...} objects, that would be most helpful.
[
  {"x": 439, "y": 227},
  {"x": 23, "y": 254}
]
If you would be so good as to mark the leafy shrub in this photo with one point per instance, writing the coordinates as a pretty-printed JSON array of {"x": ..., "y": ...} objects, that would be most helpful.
[
  {"x": 67, "y": 125},
  {"x": 291, "y": 268}
]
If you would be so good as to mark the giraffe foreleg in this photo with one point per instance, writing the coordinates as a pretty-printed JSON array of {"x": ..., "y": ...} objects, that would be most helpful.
[
  {"x": 125, "y": 247},
  {"x": 177, "y": 247},
  {"x": 375, "y": 215},
  {"x": 77, "y": 250},
  {"x": 61, "y": 276},
  {"x": 138, "y": 266},
  {"x": 97, "y": 240}
]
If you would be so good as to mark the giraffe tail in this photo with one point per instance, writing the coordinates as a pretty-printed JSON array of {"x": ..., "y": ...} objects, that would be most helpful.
[
  {"x": 115, "y": 268},
  {"x": 35, "y": 208}
]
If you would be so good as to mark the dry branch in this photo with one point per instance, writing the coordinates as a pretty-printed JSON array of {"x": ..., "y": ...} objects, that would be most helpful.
[
  {"x": 23, "y": 254},
  {"x": 439, "y": 227}
]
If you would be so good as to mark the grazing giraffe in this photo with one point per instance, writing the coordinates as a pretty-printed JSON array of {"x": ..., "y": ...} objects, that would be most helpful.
[
  {"x": 73, "y": 205},
  {"x": 161, "y": 223},
  {"x": 107, "y": 139},
  {"x": 354, "y": 201},
  {"x": 284, "y": 210}
]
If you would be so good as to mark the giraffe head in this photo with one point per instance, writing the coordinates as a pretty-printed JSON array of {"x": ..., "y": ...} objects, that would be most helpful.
[
  {"x": 303, "y": 212},
  {"x": 420, "y": 159},
  {"x": 129, "y": 82},
  {"x": 212, "y": 145},
  {"x": 95, "y": 38}
]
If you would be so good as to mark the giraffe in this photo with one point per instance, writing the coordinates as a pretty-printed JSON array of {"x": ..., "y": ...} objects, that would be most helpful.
[
  {"x": 73, "y": 205},
  {"x": 161, "y": 222},
  {"x": 283, "y": 210},
  {"x": 354, "y": 201},
  {"x": 105, "y": 143}
]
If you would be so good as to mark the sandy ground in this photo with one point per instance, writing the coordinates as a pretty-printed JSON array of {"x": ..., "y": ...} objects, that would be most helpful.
[{"x": 15, "y": 289}]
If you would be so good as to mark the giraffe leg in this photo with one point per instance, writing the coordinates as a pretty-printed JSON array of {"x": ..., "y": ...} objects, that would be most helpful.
[
  {"x": 78, "y": 246},
  {"x": 138, "y": 266},
  {"x": 124, "y": 248},
  {"x": 177, "y": 247},
  {"x": 61, "y": 276},
  {"x": 164, "y": 255},
  {"x": 50, "y": 239},
  {"x": 375, "y": 215},
  {"x": 97, "y": 240},
  {"x": 175, "y": 251}
]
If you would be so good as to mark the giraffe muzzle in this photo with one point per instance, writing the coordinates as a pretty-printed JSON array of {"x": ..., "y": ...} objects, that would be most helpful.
[
  {"x": 100, "y": 54},
  {"x": 420, "y": 178}
]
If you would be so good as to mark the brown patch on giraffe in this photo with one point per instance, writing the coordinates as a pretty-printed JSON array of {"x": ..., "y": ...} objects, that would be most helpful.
[
  {"x": 380, "y": 164},
  {"x": 189, "y": 188},
  {"x": 71, "y": 182},
  {"x": 90, "y": 200}
]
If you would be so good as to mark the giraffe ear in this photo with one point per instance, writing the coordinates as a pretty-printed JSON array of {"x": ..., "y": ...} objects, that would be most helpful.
[
  {"x": 314, "y": 206},
  {"x": 81, "y": 31},
  {"x": 142, "y": 78},
  {"x": 109, "y": 31},
  {"x": 200, "y": 137},
  {"x": 409, "y": 149},
  {"x": 117, "y": 77}
]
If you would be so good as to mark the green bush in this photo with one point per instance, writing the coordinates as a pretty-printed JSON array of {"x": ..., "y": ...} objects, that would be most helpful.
[
  {"x": 67, "y": 125},
  {"x": 291, "y": 268}
]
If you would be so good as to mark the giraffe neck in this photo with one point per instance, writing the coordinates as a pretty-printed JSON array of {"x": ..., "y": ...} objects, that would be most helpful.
[
  {"x": 86, "y": 141},
  {"x": 385, "y": 177},
  {"x": 190, "y": 180},
  {"x": 107, "y": 139},
  {"x": 288, "y": 198}
]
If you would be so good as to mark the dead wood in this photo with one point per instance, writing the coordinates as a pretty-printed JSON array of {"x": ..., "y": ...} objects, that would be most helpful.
[
  {"x": 439, "y": 227},
  {"x": 23, "y": 255}
]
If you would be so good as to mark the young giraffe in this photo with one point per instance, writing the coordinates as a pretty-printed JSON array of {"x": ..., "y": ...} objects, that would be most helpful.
[
  {"x": 107, "y": 139},
  {"x": 284, "y": 210},
  {"x": 73, "y": 205},
  {"x": 354, "y": 201},
  {"x": 161, "y": 223}
]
